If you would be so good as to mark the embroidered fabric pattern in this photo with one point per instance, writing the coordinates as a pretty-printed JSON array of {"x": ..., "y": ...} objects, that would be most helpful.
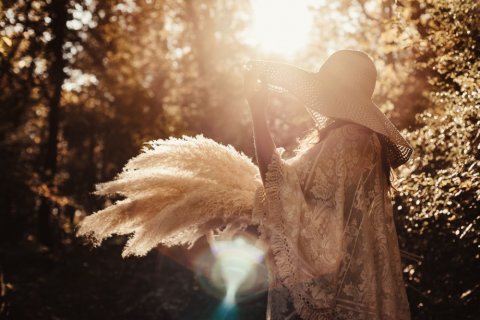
[{"x": 334, "y": 249}]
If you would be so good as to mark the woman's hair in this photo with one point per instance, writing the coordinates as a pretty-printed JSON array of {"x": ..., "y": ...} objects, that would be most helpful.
[
  {"x": 387, "y": 168},
  {"x": 310, "y": 138},
  {"x": 315, "y": 135}
]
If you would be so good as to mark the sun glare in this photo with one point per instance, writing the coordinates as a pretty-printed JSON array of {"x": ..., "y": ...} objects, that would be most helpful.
[{"x": 280, "y": 26}]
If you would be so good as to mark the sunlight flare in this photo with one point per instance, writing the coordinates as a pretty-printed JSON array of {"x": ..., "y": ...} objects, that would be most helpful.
[
  {"x": 236, "y": 260},
  {"x": 280, "y": 26}
]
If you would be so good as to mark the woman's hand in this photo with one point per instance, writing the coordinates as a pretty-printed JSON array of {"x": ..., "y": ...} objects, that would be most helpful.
[{"x": 256, "y": 92}]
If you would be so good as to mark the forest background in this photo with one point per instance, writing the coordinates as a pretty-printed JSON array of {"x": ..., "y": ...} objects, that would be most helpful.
[{"x": 84, "y": 84}]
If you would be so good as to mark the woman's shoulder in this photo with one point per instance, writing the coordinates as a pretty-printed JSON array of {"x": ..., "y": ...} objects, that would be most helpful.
[
  {"x": 353, "y": 138},
  {"x": 356, "y": 141},
  {"x": 342, "y": 135},
  {"x": 351, "y": 131}
]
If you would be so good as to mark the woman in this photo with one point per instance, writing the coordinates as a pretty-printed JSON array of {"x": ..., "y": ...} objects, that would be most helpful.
[{"x": 326, "y": 214}]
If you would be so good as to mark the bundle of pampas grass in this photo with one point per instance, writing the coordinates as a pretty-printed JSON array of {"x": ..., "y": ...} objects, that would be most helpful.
[{"x": 175, "y": 191}]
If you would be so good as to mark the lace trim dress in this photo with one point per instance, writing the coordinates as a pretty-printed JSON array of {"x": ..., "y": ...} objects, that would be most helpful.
[{"x": 326, "y": 217}]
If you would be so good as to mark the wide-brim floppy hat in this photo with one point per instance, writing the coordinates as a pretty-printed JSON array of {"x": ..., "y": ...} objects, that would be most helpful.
[{"x": 341, "y": 89}]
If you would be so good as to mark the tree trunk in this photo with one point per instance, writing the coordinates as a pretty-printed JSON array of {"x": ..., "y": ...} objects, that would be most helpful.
[{"x": 59, "y": 14}]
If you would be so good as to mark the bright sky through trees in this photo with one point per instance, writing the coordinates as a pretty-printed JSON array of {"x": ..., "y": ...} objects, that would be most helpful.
[{"x": 280, "y": 26}]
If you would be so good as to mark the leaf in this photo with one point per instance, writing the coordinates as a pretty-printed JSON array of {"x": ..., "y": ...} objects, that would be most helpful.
[{"x": 7, "y": 41}]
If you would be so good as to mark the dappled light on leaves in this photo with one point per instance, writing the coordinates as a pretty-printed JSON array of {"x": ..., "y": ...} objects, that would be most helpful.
[{"x": 84, "y": 84}]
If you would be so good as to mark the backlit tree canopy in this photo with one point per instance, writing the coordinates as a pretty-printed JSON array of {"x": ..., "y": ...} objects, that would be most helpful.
[{"x": 84, "y": 84}]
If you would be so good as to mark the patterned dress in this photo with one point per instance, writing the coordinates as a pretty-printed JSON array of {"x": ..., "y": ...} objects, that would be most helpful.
[{"x": 326, "y": 217}]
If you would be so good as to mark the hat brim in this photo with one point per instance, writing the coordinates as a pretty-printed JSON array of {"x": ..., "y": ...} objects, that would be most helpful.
[
  {"x": 322, "y": 99},
  {"x": 398, "y": 149}
]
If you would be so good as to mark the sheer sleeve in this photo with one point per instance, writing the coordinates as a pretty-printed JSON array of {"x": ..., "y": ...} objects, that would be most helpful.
[{"x": 317, "y": 224}]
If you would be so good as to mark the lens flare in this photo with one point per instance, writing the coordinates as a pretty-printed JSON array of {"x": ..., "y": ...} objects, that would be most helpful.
[
  {"x": 236, "y": 260},
  {"x": 225, "y": 312},
  {"x": 233, "y": 271}
]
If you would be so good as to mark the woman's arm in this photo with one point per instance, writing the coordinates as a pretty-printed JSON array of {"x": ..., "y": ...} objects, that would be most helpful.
[{"x": 257, "y": 97}]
